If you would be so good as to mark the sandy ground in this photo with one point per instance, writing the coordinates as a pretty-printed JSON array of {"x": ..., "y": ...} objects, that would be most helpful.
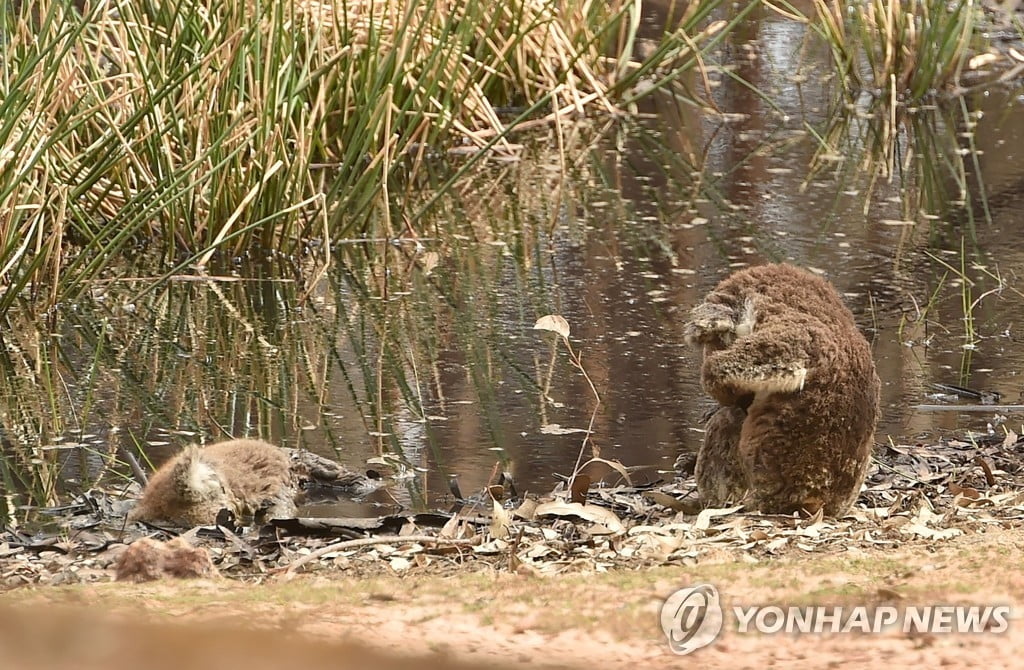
[{"x": 489, "y": 619}]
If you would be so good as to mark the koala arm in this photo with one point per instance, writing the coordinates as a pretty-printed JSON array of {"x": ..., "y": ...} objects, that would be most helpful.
[{"x": 769, "y": 360}]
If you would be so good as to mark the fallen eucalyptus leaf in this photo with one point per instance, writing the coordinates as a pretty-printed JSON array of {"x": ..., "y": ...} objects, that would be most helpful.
[
  {"x": 665, "y": 500},
  {"x": 500, "y": 520},
  {"x": 554, "y": 323},
  {"x": 592, "y": 513},
  {"x": 703, "y": 521},
  {"x": 931, "y": 533},
  {"x": 400, "y": 564},
  {"x": 527, "y": 510},
  {"x": 615, "y": 465},
  {"x": 578, "y": 490},
  {"x": 557, "y": 429}
]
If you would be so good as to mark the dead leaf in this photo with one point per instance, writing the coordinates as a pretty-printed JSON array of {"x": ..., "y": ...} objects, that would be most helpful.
[
  {"x": 922, "y": 522},
  {"x": 428, "y": 261},
  {"x": 931, "y": 533},
  {"x": 527, "y": 510},
  {"x": 965, "y": 491},
  {"x": 989, "y": 477},
  {"x": 592, "y": 513},
  {"x": 554, "y": 323},
  {"x": 490, "y": 548},
  {"x": 659, "y": 546},
  {"x": 703, "y": 521},
  {"x": 614, "y": 465},
  {"x": 400, "y": 564},
  {"x": 981, "y": 60},
  {"x": 665, "y": 500},
  {"x": 578, "y": 490},
  {"x": 500, "y": 520},
  {"x": 455, "y": 528},
  {"x": 556, "y": 429}
]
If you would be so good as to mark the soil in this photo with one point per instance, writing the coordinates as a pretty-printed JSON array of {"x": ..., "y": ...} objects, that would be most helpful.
[
  {"x": 539, "y": 583},
  {"x": 484, "y": 616}
]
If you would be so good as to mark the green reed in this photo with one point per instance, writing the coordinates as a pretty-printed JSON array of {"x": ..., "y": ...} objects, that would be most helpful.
[
  {"x": 911, "y": 49},
  {"x": 200, "y": 127}
]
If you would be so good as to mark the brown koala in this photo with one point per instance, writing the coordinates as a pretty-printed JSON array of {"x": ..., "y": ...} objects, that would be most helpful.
[
  {"x": 797, "y": 389},
  {"x": 247, "y": 477}
]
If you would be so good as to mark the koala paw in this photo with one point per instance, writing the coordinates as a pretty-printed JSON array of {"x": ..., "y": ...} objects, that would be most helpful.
[{"x": 769, "y": 378}]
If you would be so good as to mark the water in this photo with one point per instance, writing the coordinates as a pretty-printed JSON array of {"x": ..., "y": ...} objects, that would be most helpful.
[{"x": 429, "y": 355}]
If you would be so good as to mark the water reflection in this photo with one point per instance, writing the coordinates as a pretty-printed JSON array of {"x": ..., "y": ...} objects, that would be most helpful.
[{"x": 426, "y": 353}]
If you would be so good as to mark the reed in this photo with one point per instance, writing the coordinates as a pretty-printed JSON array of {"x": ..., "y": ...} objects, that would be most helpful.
[
  {"x": 361, "y": 365},
  {"x": 900, "y": 51},
  {"x": 202, "y": 128}
]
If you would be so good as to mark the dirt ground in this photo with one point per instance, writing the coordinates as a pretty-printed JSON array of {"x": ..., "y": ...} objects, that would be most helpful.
[{"x": 483, "y": 617}]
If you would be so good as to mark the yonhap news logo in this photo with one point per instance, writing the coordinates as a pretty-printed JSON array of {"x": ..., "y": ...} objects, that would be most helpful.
[{"x": 693, "y": 617}]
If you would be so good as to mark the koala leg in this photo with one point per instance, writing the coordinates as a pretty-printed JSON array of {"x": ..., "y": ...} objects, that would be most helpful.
[
  {"x": 719, "y": 473},
  {"x": 789, "y": 470},
  {"x": 798, "y": 458}
]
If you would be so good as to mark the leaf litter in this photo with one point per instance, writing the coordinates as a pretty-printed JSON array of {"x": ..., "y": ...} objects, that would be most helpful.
[{"x": 914, "y": 493}]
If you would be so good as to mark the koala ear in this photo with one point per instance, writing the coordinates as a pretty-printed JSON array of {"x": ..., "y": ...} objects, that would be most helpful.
[
  {"x": 695, "y": 336},
  {"x": 710, "y": 323},
  {"x": 194, "y": 478},
  {"x": 184, "y": 463}
]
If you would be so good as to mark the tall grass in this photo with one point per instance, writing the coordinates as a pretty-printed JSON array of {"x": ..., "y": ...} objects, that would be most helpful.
[
  {"x": 902, "y": 51},
  {"x": 207, "y": 127},
  {"x": 30, "y": 372},
  {"x": 190, "y": 361},
  {"x": 923, "y": 154},
  {"x": 406, "y": 354},
  {"x": 897, "y": 64}
]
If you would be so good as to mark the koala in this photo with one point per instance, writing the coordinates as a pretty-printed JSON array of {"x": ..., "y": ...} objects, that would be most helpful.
[
  {"x": 248, "y": 477},
  {"x": 797, "y": 391}
]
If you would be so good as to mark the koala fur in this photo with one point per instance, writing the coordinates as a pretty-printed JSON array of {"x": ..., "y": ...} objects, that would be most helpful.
[
  {"x": 248, "y": 477},
  {"x": 797, "y": 389}
]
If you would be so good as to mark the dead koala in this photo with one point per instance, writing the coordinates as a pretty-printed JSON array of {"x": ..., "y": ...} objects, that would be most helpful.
[
  {"x": 797, "y": 389},
  {"x": 248, "y": 477}
]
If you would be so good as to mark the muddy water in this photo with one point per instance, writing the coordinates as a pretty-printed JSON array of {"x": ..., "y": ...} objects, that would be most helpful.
[{"x": 432, "y": 360}]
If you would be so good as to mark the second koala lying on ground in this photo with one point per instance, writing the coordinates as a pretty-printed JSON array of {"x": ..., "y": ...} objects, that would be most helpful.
[
  {"x": 797, "y": 390},
  {"x": 247, "y": 477}
]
